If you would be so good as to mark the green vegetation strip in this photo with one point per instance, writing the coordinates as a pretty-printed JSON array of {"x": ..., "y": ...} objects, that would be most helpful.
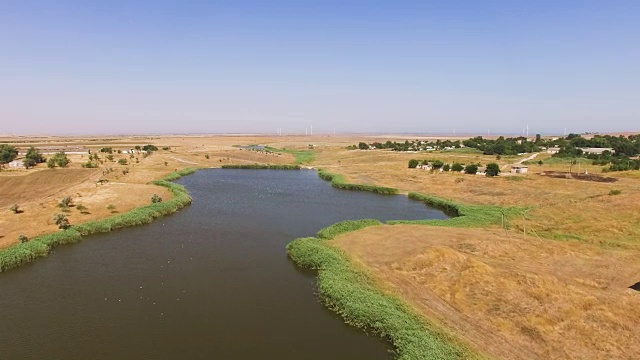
[
  {"x": 262, "y": 167},
  {"x": 302, "y": 156},
  {"x": 338, "y": 181},
  {"x": 41, "y": 246},
  {"x": 463, "y": 215},
  {"x": 354, "y": 295}
]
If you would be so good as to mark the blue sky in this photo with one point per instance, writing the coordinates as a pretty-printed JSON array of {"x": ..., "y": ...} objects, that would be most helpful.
[{"x": 369, "y": 66}]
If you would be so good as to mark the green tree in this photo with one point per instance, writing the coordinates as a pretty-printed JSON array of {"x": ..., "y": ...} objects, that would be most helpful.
[
  {"x": 122, "y": 161},
  {"x": 156, "y": 198},
  {"x": 23, "y": 239},
  {"x": 8, "y": 153},
  {"x": 60, "y": 159},
  {"x": 51, "y": 163},
  {"x": 457, "y": 167},
  {"x": 363, "y": 146},
  {"x": 35, "y": 155},
  {"x": 493, "y": 169},
  {"x": 413, "y": 163},
  {"x": 446, "y": 167},
  {"x": 471, "y": 169},
  {"x": 437, "y": 164},
  {"x": 65, "y": 202},
  {"x": 29, "y": 163}
]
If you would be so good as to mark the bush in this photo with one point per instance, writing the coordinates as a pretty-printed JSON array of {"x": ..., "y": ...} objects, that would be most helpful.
[
  {"x": 615, "y": 192},
  {"x": 437, "y": 164},
  {"x": 493, "y": 169},
  {"x": 62, "y": 221},
  {"x": 446, "y": 167},
  {"x": 15, "y": 209},
  {"x": 111, "y": 208},
  {"x": 262, "y": 167},
  {"x": 60, "y": 159},
  {"x": 471, "y": 169},
  {"x": 83, "y": 209},
  {"x": 90, "y": 165},
  {"x": 149, "y": 148},
  {"x": 65, "y": 202},
  {"x": 23, "y": 239},
  {"x": 363, "y": 146},
  {"x": 457, "y": 167},
  {"x": 156, "y": 199},
  {"x": 122, "y": 162},
  {"x": 413, "y": 163}
]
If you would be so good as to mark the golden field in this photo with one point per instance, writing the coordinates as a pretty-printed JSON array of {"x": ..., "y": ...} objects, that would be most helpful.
[{"x": 553, "y": 286}]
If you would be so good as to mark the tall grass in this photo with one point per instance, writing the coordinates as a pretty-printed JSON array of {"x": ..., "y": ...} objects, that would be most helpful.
[
  {"x": 353, "y": 294},
  {"x": 338, "y": 181},
  {"x": 262, "y": 167},
  {"x": 41, "y": 246}
]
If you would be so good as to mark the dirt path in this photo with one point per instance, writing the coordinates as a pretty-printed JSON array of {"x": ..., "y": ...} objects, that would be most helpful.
[
  {"x": 519, "y": 162},
  {"x": 183, "y": 161}
]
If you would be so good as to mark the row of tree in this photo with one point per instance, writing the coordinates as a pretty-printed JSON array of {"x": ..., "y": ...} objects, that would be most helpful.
[{"x": 492, "y": 169}]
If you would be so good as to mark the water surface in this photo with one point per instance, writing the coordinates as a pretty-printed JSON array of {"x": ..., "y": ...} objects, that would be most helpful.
[{"x": 212, "y": 281}]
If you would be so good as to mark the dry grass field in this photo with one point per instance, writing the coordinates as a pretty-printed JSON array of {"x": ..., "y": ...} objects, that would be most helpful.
[
  {"x": 560, "y": 292},
  {"x": 513, "y": 297}
]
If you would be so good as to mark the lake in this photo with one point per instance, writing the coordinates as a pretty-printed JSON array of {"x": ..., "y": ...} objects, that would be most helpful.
[{"x": 212, "y": 281}]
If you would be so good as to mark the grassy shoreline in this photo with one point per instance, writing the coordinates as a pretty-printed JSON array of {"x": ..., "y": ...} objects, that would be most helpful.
[
  {"x": 354, "y": 295},
  {"x": 41, "y": 246},
  {"x": 339, "y": 182}
]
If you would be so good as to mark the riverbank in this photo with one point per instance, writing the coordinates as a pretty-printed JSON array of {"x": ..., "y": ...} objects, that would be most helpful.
[{"x": 41, "y": 246}]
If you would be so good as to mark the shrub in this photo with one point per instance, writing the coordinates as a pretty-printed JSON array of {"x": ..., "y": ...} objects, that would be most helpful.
[
  {"x": 457, "y": 167},
  {"x": 83, "y": 209},
  {"x": 413, "y": 163},
  {"x": 15, "y": 209},
  {"x": 615, "y": 192},
  {"x": 437, "y": 164},
  {"x": 149, "y": 148},
  {"x": 156, "y": 199},
  {"x": 110, "y": 157},
  {"x": 206, "y": 156},
  {"x": 493, "y": 169},
  {"x": 471, "y": 169},
  {"x": 65, "y": 202},
  {"x": 90, "y": 165},
  {"x": 28, "y": 163},
  {"x": 111, "y": 208},
  {"x": 446, "y": 167},
  {"x": 122, "y": 162},
  {"x": 62, "y": 221},
  {"x": 166, "y": 148},
  {"x": 363, "y": 146},
  {"x": 337, "y": 181},
  {"x": 23, "y": 239},
  {"x": 262, "y": 167}
]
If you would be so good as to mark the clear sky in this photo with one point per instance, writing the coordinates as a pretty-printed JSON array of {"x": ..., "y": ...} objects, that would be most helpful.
[{"x": 158, "y": 66}]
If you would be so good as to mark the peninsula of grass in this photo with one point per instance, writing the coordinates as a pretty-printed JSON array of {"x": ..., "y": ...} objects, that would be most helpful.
[
  {"x": 338, "y": 181},
  {"x": 302, "y": 156},
  {"x": 354, "y": 295},
  {"x": 41, "y": 246},
  {"x": 261, "y": 166}
]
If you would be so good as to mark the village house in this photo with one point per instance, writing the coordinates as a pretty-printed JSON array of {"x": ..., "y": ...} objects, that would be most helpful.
[{"x": 16, "y": 164}]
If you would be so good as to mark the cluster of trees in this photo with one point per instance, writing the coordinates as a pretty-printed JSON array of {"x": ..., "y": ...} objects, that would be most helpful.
[
  {"x": 33, "y": 157},
  {"x": 58, "y": 159},
  {"x": 493, "y": 169},
  {"x": 8, "y": 153},
  {"x": 504, "y": 146},
  {"x": 415, "y": 145}
]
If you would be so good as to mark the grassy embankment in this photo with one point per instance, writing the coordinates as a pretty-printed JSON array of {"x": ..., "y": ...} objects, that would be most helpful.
[
  {"x": 352, "y": 293},
  {"x": 261, "y": 167},
  {"x": 41, "y": 246},
  {"x": 338, "y": 181}
]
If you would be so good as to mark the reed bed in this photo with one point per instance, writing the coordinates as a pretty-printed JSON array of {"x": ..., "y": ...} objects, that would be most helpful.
[
  {"x": 262, "y": 167},
  {"x": 41, "y": 246},
  {"x": 338, "y": 181},
  {"x": 354, "y": 295}
]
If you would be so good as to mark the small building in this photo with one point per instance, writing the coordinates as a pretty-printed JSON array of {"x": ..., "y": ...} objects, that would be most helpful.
[
  {"x": 553, "y": 150},
  {"x": 519, "y": 169},
  {"x": 482, "y": 170},
  {"x": 597, "y": 151}
]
